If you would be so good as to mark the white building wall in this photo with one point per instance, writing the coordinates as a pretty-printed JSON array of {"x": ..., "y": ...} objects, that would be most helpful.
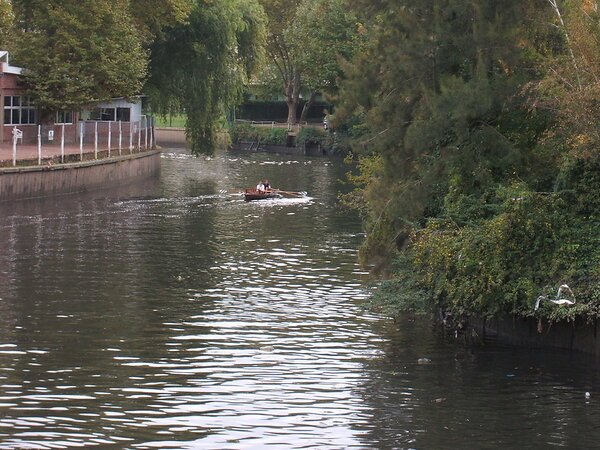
[{"x": 135, "y": 106}]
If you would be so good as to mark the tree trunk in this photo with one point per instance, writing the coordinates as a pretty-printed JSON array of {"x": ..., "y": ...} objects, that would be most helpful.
[
  {"x": 307, "y": 105},
  {"x": 292, "y": 106},
  {"x": 292, "y": 94}
]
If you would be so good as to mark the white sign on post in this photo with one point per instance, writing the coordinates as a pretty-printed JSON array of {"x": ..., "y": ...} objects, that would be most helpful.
[{"x": 51, "y": 135}]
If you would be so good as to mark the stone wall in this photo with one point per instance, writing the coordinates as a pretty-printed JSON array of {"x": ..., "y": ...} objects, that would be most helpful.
[{"x": 43, "y": 181}]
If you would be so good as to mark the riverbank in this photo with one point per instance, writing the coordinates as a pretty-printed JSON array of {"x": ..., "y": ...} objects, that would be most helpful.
[
  {"x": 34, "y": 181},
  {"x": 528, "y": 332},
  {"x": 252, "y": 147}
]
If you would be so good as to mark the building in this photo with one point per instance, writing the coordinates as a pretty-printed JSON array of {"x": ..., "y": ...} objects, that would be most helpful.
[
  {"x": 99, "y": 122},
  {"x": 16, "y": 108}
]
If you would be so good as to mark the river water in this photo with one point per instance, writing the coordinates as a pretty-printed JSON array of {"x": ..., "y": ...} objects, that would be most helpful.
[{"x": 172, "y": 314}]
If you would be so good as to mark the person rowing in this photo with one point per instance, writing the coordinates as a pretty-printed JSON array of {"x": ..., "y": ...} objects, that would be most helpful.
[{"x": 263, "y": 186}]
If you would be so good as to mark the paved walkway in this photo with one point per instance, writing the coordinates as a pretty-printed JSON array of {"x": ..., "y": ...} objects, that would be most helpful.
[{"x": 27, "y": 154}]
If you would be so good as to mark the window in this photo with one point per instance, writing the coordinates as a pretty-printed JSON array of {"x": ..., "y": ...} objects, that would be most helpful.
[
  {"x": 18, "y": 110},
  {"x": 65, "y": 117},
  {"x": 111, "y": 114},
  {"x": 124, "y": 114},
  {"x": 107, "y": 114}
]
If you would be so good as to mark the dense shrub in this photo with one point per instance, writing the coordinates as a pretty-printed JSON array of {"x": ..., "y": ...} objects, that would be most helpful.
[
  {"x": 332, "y": 143},
  {"x": 244, "y": 132},
  {"x": 502, "y": 264},
  {"x": 276, "y": 136},
  {"x": 265, "y": 135},
  {"x": 310, "y": 135}
]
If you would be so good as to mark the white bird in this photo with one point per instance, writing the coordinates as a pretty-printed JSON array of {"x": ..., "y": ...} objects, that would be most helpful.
[{"x": 558, "y": 300}]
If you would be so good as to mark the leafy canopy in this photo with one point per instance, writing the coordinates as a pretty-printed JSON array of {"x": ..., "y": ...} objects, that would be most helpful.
[
  {"x": 479, "y": 162},
  {"x": 322, "y": 35},
  {"x": 6, "y": 21},
  {"x": 201, "y": 66},
  {"x": 79, "y": 52}
]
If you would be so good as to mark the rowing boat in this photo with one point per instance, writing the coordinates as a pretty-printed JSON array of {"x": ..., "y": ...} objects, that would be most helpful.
[{"x": 255, "y": 194}]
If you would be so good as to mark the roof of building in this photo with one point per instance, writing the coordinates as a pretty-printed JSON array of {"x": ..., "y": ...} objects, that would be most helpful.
[{"x": 5, "y": 64}]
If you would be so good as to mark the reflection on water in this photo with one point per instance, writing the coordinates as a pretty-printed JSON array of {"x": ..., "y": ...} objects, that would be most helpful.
[{"x": 180, "y": 316}]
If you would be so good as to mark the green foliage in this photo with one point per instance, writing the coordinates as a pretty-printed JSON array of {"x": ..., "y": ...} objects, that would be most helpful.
[
  {"x": 6, "y": 22},
  {"x": 171, "y": 120},
  {"x": 331, "y": 143},
  {"x": 244, "y": 132},
  {"x": 276, "y": 136},
  {"x": 478, "y": 154},
  {"x": 310, "y": 135},
  {"x": 532, "y": 246},
  {"x": 153, "y": 16},
  {"x": 322, "y": 33},
  {"x": 265, "y": 135},
  {"x": 75, "y": 53},
  {"x": 200, "y": 67},
  {"x": 307, "y": 39}
]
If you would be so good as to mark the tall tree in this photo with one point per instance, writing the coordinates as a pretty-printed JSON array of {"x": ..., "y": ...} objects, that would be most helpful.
[
  {"x": 434, "y": 84},
  {"x": 571, "y": 84},
  {"x": 323, "y": 34},
  {"x": 79, "y": 52},
  {"x": 153, "y": 16},
  {"x": 280, "y": 14},
  {"x": 6, "y": 20},
  {"x": 201, "y": 66}
]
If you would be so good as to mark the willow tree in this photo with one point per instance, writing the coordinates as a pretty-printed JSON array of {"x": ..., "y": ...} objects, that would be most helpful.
[{"x": 200, "y": 67}]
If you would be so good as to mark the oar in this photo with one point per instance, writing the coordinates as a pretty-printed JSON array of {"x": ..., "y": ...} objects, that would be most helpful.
[
  {"x": 300, "y": 194},
  {"x": 231, "y": 191}
]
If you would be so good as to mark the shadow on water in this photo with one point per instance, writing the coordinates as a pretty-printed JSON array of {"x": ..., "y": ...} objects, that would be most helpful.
[{"x": 430, "y": 391}]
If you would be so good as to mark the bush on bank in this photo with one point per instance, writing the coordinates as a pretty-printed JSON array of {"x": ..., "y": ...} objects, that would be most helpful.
[
  {"x": 533, "y": 244},
  {"x": 241, "y": 132},
  {"x": 332, "y": 143}
]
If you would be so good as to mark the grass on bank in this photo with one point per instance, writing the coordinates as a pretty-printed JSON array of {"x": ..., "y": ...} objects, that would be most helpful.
[{"x": 174, "y": 121}]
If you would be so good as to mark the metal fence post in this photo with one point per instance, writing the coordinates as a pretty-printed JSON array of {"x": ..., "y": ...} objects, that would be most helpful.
[
  {"x": 109, "y": 137},
  {"x": 14, "y": 146},
  {"x": 81, "y": 141},
  {"x": 96, "y": 140},
  {"x": 139, "y": 136},
  {"x": 130, "y": 137},
  {"x": 39, "y": 142},
  {"x": 62, "y": 144},
  {"x": 145, "y": 132},
  {"x": 120, "y": 137}
]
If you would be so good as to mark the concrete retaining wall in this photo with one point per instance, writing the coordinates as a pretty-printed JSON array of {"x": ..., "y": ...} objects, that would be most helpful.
[
  {"x": 43, "y": 181},
  {"x": 171, "y": 137},
  {"x": 310, "y": 150},
  {"x": 579, "y": 335}
]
